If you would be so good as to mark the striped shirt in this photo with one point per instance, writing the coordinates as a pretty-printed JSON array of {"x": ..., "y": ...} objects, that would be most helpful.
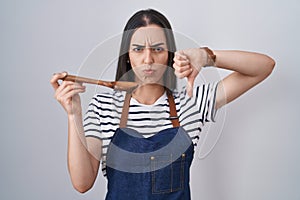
[{"x": 104, "y": 113}]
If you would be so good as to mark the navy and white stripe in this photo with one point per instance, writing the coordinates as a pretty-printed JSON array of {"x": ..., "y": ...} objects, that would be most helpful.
[{"x": 104, "y": 112}]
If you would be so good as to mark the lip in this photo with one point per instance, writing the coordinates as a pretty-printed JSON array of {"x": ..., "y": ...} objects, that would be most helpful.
[{"x": 148, "y": 71}]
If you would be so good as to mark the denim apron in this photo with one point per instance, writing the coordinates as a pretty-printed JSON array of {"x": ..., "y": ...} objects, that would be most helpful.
[{"x": 153, "y": 168}]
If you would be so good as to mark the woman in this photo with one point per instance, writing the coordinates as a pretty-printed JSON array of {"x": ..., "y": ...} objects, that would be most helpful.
[{"x": 128, "y": 131}]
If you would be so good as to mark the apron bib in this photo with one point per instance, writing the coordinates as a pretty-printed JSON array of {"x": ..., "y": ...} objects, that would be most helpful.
[{"x": 150, "y": 168}]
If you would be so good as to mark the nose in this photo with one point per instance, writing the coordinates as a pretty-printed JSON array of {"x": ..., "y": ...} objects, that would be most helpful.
[{"x": 148, "y": 59}]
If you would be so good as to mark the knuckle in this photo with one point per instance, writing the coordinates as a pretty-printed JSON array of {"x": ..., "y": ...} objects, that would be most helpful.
[
  {"x": 180, "y": 75},
  {"x": 69, "y": 87},
  {"x": 182, "y": 63},
  {"x": 175, "y": 67},
  {"x": 56, "y": 95},
  {"x": 72, "y": 87},
  {"x": 53, "y": 81},
  {"x": 63, "y": 99},
  {"x": 58, "y": 99}
]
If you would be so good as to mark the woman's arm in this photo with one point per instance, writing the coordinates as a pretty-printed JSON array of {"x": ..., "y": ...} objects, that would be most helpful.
[
  {"x": 248, "y": 70},
  {"x": 83, "y": 153}
]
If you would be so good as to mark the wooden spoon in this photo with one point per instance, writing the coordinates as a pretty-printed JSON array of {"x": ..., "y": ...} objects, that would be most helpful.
[{"x": 117, "y": 85}]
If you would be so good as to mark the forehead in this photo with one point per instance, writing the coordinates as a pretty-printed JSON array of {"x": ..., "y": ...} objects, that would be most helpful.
[{"x": 149, "y": 34}]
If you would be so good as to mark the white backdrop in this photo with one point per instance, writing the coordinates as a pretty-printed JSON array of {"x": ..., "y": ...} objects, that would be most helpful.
[{"x": 257, "y": 156}]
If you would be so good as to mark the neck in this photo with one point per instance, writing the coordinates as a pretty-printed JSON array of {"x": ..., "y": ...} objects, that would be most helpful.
[{"x": 148, "y": 94}]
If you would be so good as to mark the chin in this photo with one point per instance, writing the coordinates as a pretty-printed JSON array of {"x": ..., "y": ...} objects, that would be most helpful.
[{"x": 151, "y": 82}]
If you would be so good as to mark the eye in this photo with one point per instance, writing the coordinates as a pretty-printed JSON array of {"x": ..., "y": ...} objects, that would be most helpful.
[
  {"x": 137, "y": 49},
  {"x": 157, "y": 49}
]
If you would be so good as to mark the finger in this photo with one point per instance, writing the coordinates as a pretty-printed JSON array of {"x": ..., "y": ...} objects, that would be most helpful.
[
  {"x": 71, "y": 93},
  {"x": 181, "y": 69},
  {"x": 67, "y": 86},
  {"x": 190, "y": 86},
  {"x": 66, "y": 98},
  {"x": 62, "y": 87},
  {"x": 180, "y": 55},
  {"x": 182, "y": 62},
  {"x": 178, "y": 59},
  {"x": 55, "y": 78},
  {"x": 183, "y": 74}
]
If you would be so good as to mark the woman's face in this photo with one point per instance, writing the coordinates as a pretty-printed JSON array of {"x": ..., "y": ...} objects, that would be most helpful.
[{"x": 148, "y": 54}]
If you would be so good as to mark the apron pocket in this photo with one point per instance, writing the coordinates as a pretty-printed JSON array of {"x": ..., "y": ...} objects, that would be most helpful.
[{"x": 167, "y": 175}]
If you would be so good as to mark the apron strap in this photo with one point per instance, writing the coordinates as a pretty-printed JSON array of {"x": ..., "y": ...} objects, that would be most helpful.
[
  {"x": 173, "y": 113},
  {"x": 124, "y": 116}
]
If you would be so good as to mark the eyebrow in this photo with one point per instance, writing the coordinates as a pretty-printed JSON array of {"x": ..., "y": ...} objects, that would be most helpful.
[{"x": 154, "y": 45}]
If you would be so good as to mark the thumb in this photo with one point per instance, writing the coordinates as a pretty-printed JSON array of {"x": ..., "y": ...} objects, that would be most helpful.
[{"x": 190, "y": 86}]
